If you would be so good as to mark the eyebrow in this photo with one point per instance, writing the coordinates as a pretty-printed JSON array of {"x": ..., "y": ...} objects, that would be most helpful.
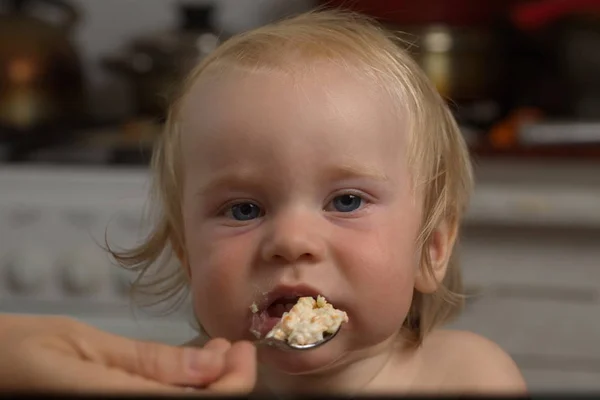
[
  {"x": 242, "y": 178},
  {"x": 349, "y": 171}
]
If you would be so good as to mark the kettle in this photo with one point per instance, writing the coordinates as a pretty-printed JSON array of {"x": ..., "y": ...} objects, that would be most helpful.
[{"x": 41, "y": 79}]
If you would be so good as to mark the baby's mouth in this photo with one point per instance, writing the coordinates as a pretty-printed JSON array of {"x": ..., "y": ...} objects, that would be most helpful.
[
  {"x": 309, "y": 321},
  {"x": 280, "y": 306},
  {"x": 263, "y": 320},
  {"x": 280, "y": 300}
]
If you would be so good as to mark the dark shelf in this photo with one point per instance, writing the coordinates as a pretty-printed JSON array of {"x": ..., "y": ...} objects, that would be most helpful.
[{"x": 567, "y": 152}]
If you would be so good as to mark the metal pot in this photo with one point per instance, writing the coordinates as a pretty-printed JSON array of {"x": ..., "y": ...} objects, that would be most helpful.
[
  {"x": 154, "y": 64},
  {"x": 466, "y": 66},
  {"x": 41, "y": 80},
  {"x": 459, "y": 61}
]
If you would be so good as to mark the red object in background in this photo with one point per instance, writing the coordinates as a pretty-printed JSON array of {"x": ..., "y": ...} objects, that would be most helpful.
[
  {"x": 422, "y": 12},
  {"x": 537, "y": 14}
]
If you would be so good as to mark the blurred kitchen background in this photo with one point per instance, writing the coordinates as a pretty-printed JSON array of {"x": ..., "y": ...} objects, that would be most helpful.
[{"x": 83, "y": 90}]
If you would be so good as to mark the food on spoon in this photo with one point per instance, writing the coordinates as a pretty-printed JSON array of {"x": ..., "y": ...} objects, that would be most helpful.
[{"x": 308, "y": 321}]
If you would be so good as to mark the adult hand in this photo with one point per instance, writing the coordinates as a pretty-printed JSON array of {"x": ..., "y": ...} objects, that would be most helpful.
[{"x": 58, "y": 354}]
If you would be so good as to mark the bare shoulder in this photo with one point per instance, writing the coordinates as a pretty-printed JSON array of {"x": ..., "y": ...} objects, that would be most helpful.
[{"x": 472, "y": 363}]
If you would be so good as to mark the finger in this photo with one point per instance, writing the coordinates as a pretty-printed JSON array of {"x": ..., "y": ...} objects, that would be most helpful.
[
  {"x": 240, "y": 370},
  {"x": 70, "y": 375},
  {"x": 177, "y": 365},
  {"x": 155, "y": 361},
  {"x": 218, "y": 345}
]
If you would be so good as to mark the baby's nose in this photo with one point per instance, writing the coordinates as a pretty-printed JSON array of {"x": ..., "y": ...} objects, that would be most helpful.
[{"x": 293, "y": 238}]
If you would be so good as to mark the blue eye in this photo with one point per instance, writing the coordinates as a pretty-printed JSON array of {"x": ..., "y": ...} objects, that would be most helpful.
[
  {"x": 347, "y": 203},
  {"x": 244, "y": 211}
]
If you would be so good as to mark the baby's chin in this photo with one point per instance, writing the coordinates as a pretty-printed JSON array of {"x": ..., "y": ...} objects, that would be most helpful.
[{"x": 298, "y": 362}]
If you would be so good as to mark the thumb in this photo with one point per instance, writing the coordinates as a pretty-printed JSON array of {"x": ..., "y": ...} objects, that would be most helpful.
[
  {"x": 174, "y": 365},
  {"x": 159, "y": 362}
]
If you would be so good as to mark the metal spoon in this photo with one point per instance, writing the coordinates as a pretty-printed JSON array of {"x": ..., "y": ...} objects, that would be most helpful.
[{"x": 284, "y": 345}]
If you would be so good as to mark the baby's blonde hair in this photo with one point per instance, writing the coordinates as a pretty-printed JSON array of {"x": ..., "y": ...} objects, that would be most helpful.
[{"x": 436, "y": 150}]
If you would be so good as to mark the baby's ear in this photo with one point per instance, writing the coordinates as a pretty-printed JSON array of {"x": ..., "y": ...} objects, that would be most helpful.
[{"x": 438, "y": 249}]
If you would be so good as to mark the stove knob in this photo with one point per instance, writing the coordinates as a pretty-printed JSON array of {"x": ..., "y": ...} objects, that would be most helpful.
[
  {"x": 27, "y": 269},
  {"x": 84, "y": 270}
]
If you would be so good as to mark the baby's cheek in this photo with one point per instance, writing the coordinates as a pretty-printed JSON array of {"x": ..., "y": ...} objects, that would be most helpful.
[
  {"x": 217, "y": 288},
  {"x": 382, "y": 271},
  {"x": 217, "y": 262}
]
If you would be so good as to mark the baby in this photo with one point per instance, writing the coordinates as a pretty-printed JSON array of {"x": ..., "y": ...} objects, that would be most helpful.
[{"x": 313, "y": 157}]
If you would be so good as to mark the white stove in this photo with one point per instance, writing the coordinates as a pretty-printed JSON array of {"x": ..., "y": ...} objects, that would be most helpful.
[{"x": 53, "y": 222}]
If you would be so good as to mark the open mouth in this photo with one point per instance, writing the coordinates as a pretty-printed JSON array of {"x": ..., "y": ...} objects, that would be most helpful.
[
  {"x": 277, "y": 302},
  {"x": 282, "y": 305},
  {"x": 308, "y": 322}
]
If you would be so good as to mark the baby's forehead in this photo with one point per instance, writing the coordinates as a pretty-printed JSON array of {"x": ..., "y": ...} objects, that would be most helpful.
[
  {"x": 320, "y": 86},
  {"x": 266, "y": 111}
]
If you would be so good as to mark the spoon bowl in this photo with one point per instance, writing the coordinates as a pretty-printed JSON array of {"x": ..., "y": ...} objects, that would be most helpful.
[{"x": 284, "y": 345}]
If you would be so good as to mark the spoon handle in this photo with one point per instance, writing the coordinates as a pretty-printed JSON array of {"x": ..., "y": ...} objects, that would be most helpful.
[{"x": 284, "y": 345}]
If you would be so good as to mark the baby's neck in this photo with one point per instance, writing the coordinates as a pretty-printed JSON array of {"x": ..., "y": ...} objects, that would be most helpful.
[{"x": 358, "y": 373}]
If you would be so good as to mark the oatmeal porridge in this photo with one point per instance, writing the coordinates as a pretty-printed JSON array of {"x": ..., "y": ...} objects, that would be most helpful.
[{"x": 308, "y": 321}]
